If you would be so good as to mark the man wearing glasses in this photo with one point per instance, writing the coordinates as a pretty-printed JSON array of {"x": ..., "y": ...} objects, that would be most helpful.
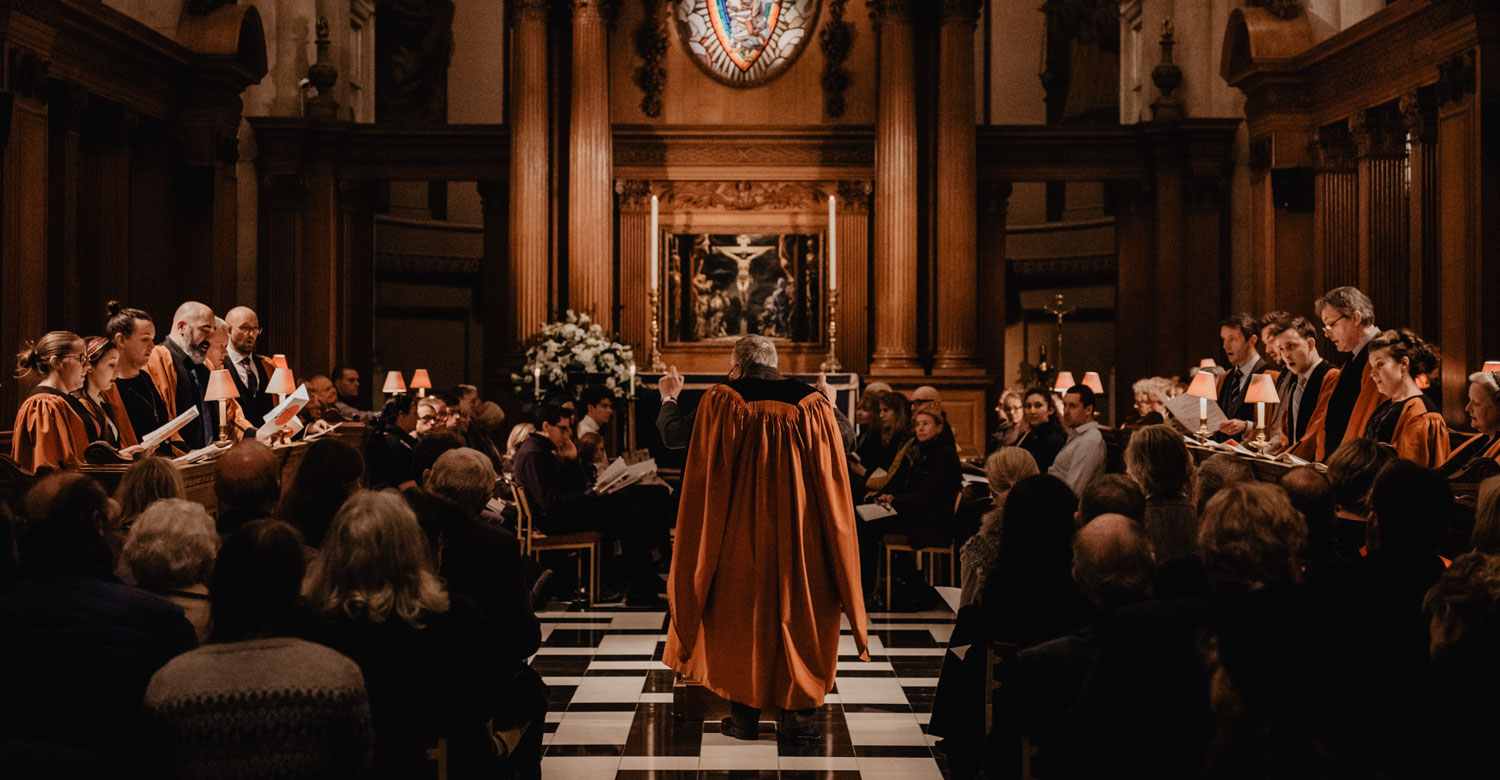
[
  {"x": 251, "y": 372},
  {"x": 1348, "y": 318}
]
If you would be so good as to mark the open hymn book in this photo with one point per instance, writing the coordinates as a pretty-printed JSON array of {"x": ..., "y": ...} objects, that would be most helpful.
[
  {"x": 99, "y": 452},
  {"x": 620, "y": 474}
]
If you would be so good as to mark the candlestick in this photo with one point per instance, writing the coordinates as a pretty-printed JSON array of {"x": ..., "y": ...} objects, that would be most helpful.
[
  {"x": 652, "y": 256},
  {"x": 654, "y": 352},
  {"x": 833, "y": 245},
  {"x": 832, "y": 365},
  {"x": 1203, "y": 418},
  {"x": 632, "y": 380},
  {"x": 223, "y": 424},
  {"x": 536, "y": 382}
]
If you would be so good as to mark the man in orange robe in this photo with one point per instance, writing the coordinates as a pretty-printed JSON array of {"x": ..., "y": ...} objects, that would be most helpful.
[{"x": 766, "y": 554}]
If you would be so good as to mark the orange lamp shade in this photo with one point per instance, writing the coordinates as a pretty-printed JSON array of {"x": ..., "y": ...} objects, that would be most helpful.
[
  {"x": 1064, "y": 381},
  {"x": 1207, "y": 363},
  {"x": 1491, "y": 365},
  {"x": 1203, "y": 386},
  {"x": 220, "y": 386},
  {"x": 1262, "y": 390},
  {"x": 1091, "y": 381},
  {"x": 394, "y": 384},
  {"x": 279, "y": 361},
  {"x": 419, "y": 379},
  {"x": 281, "y": 382}
]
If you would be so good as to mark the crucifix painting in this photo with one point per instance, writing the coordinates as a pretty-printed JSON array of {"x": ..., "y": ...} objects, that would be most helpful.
[{"x": 724, "y": 286}]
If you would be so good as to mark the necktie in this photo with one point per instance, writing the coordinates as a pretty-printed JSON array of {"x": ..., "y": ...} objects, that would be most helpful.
[
  {"x": 1297, "y": 401},
  {"x": 1232, "y": 384},
  {"x": 252, "y": 382}
]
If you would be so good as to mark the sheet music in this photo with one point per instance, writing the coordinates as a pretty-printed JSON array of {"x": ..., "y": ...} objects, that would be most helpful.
[
  {"x": 284, "y": 412},
  {"x": 1185, "y": 408},
  {"x": 869, "y": 512},
  {"x": 161, "y": 434}
]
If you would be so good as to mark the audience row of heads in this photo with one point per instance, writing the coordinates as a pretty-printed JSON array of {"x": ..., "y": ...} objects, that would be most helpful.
[
  {"x": 1037, "y": 405},
  {"x": 897, "y": 417},
  {"x": 450, "y": 411}
]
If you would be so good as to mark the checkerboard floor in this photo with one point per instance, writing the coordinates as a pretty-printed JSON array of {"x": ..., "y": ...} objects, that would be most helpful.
[{"x": 612, "y": 713}]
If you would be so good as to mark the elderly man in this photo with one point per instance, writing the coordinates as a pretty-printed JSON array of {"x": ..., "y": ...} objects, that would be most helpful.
[
  {"x": 1348, "y": 318},
  {"x": 247, "y": 484},
  {"x": 766, "y": 555},
  {"x": 177, "y": 369},
  {"x": 1082, "y": 457},
  {"x": 251, "y": 372}
]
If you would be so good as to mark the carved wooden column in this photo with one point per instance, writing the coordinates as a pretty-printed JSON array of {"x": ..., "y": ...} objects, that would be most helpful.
[
  {"x": 956, "y": 261},
  {"x": 280, "y": 248},
  {"x": 524, "y": 288},
  {"x": 896, "y": 194},
  {"x": 1466, "y": 171},
  {"x": 105, "y": 200},
  {"x": 1136, "y": 322},
  {"x": 1336, "y": 230},
  {"x": 1379, "y": 136},
  {"x": 994, "y": 205},
  {"x": 23, "y": 201},
  {"x": 633, "y": 198},
  {"x": 71, "y": 289},
  {"x": 854, "y": 274},
  {"x": 1419, "y": 110},
  {"x": 590, "y": 200}
]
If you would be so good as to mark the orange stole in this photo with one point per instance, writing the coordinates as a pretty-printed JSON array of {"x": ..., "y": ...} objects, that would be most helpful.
[
  {"x": 1421, "y": 436},
  {"x": 1314, "y": 442},
  {"x": 163, "y": 374},
  {"x": 766, "y": 554},
  {"x": 128, "y": 437},
  {"x": 48, "y": 434},
  {"x": 1493, "y": 452},
  {"x": 1365, "y": 405}
]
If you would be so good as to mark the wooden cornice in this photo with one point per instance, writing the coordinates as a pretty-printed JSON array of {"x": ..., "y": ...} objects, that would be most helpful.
[
  {"x": 1198, "y": 147},
  {"x": 707, "y": 153},
  {"x": 380, "y": 151}
]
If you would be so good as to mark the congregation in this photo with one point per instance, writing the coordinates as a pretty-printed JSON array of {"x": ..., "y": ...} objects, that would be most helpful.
[{"x": 1131, "y": 603}]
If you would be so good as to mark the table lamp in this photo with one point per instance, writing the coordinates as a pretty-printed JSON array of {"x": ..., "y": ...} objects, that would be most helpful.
[
  {"x": 221, "y": 388},
  {"x": 1064, "y": 382},
  {"x": 1208, "y": 363},
  {"x": 420, "y": 382},
  {"x": 281, "y": 384},
  {"x": 394, "y": 384},
  {"x": 279, "y": 361},
  {"x": 1091, "y": 381},
  {"x": 1262, "y": 391},
  {"x": 1203, "y": 388},
  {"x": 1491, "y": 365}
]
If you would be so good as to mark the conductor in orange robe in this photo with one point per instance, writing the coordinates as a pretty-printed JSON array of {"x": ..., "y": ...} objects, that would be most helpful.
[{"x": 766, "y": 555}]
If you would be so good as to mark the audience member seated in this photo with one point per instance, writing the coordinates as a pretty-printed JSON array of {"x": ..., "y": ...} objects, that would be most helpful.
[
  {"x": 170, "y": 552},
  {"x": 598, "y": 409},
  {"x": 1408, "y": 419},
  {"x": 1159, "y": 462},
  {"x": 388, "y": 450},
  {"x": 49, "y": 433},
  {"x": 867, "y": 448},
  {"x": 1012, "y": 419},
  {"x": 144, "y": 482},
  {"x": 1144, "y": 710},
  {"x": 321, "y": 400},
  {"x": 895, "y": 436},
  {"x": 926, "y": 394},
  {"x": 591, "y": 454},
  {"x": 1324, "y": 568},
  {"x": 1486, "y": 535},
  {"x": 1111, "y": 494},
  {"x": 1215, "y": 473},
  {"x": 1351, "y": 471},
  {"x": 104, "y": 420},
  {"x": 1479, "y": 456},
  {"x": 432, "y": 417},
  {"x": 484, "y": 431},
  {"x": 1044, "y": 436},
  {"x": 923, "y": 491},
  {"x": 1004, "y": 468},
  {"x": 247, "y": 483},
  {"x": 1150, "y": 409},
  {"x": 257, "y": 701},
  {"x": 427, "y": 656},
  {"x": 1462, "y": 609},
  {"x": 330, "y": 472},
  {"x": 79, "y": 645},
  {"x": 350, "y": 403},
  {"x": 1113, "y": 566},
  {"x": 519, "y": 434},
  {"x": 1081, "y": 459},
  {"x": 1306, "y": 391}
]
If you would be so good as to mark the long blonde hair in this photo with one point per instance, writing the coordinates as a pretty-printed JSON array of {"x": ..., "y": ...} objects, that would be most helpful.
[{"x": 376, "y": 563}]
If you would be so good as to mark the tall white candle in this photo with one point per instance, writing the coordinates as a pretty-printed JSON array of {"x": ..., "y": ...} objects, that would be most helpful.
[
  {"x": 1202, "y": 408},
  {"x": 632, "y": 380},
  {"x": 833, "y": 245},
  {"x": 1260, "y": 417},
  {"x": 652, "y": 257},
  {"x": 536, "y": 378}
]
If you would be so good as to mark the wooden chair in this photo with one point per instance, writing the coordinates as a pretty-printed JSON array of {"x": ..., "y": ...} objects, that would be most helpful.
[
  {"x": 533, "y": 542},
  {"x": 927, "y": 555}
]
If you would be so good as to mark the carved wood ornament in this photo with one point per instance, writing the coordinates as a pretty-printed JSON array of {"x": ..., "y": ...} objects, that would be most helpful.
[
  {"x": 651, "y": 45},
  {"x": 837, "y": 39}
]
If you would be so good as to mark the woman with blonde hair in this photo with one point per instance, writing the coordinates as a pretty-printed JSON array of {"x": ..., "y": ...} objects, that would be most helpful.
[
  {"x": 513, "y": 440},
  {"x": 428, "y": 657},
  {"x": 146, "y": 481},
  {"x": 49, "y": 432},
  {"x": 1004, "y": 468},
  {"x": 170, "y": 552}
]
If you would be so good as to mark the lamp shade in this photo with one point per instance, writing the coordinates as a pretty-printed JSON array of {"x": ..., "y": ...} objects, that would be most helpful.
[
  {"x": 393, "y": 383},
  {"x": 280, "y": 362},
  {"x": 419, "y": 379},
  {"x": 1262, "y": 390},
  {"x": 281, "y": 382},
  {"x": 1207, "y": 363},
  {"x": 1064, "y": 381},
  {"x": 220, "y": 386},
  {"x": 1491, "y": 365},
  {"x": 1091, "y": 381},
  {"x": 1203, "y": 386}
]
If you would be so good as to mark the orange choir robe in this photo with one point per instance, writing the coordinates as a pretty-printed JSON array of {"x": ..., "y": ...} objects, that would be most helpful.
[
  {"x": 766, "y": 554},
  {"x": 1459, "y": 456},
  {"x": 1421, "y": 435},
  {"x": 48, "y": 433},
  {"x": 1314, "y": 442},
  {"x": 1365, "y": 405},
  {"x": 116, "y": 408}
]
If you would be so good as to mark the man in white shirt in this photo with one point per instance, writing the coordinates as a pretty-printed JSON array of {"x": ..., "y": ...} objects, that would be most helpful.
[
  {"x": 598, "y": 409},
  {"x": 1082, "y": 457},
  {"x": 251, "y": 372},
  {"x": 1239, "y": 336}
]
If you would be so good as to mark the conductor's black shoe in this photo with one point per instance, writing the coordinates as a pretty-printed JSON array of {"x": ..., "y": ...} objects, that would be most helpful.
[
  {"x": 733, "y": 729},
  {"x": 799, "y": 727}
]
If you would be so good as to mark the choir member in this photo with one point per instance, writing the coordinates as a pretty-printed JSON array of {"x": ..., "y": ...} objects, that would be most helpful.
[
  {"x": 251, "y": 372},
  {"x": 1271, "y": 324},
  {"x": 1349, "y": 321},
  {"x": 1408, "y": 420},
  {"x": 48, "y": 433},
  {"x": 1239, "y": 335},
  {"x": 134, "y": 332},
  {"x": 1307, "y": 394},
  {"x": 1479, "y": 455},
  {"x": 177, "y": 368},
  {"x": 103, "y": 420}
]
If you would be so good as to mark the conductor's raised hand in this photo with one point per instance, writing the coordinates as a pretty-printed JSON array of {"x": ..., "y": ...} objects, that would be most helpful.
[{"x": 670, "y": 383}]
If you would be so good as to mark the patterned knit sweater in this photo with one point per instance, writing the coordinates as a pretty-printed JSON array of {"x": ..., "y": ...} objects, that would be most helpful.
[{"x": 264, "y": 708}]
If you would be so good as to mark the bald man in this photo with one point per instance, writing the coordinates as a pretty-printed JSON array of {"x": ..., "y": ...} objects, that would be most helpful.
[
  {"x": 251, "y": 372},
  {"x": 247, "y": 483},
  {"x": 177, "y": 369}
]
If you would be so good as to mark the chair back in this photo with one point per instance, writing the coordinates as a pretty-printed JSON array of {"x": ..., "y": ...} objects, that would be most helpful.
[{"x": 523, "y": 517}]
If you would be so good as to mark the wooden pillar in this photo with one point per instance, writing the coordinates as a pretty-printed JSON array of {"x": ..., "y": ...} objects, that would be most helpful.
[
  {"x": 525, "y": 275},
  {"x": 23, "y": 223},
  {"x": 1419, "y": 114},
  {"x": 497, "y": 275},
  {"x": 590, "y": 200},
  {"x": 72, "y": 289},
  {"x": 896, "y": 195},
  {"x": 633, "y": 202},
  {"x": 1379, "y": 136},
  {"x": 994, "y": 316},
  {"x": 1169, "y": 262},
  {"x": 957, "y": 199},
  {"x": 1336, "y": 229},
  {"x": 1136, "y": 318},
  {"x": 1462, "y": 183},
  {"x": 854, "y": 274},
  {"x": 104, "y": 200},
  {"x": 317, "y": 331},
  {"x": 357, "y": 276},
  {"x": 280, "y": 250}
]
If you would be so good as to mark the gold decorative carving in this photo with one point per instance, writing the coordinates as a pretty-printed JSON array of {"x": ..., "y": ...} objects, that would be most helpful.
[{"x": 744, "y": 195}]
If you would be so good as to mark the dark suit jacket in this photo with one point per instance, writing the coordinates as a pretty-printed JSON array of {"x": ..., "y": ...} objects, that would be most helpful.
[
  {"x": 1309, "y": 437},
  {"x": 1232, "y": 400},
  {"x": 1354, "y": 400},
  {"x": 676, "y": 426},
  {"x": 256, "y": 405},
  {"x": 192, "y": 379}
]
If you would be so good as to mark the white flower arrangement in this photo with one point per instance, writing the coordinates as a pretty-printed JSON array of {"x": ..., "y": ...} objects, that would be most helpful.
[{"x": 574, "y": 344}]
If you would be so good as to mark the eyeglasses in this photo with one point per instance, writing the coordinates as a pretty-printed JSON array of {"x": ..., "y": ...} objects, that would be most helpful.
[
  {"x": 427, "y": 418},
  {"x": 1328, "y": 326},
  {"x": 78, "y": 358},
  {"x": 245, "y": 329}
]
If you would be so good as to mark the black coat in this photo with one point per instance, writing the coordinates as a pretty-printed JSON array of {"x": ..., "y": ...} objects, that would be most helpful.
[
  {"x": 924, "y": 490},
  {"x": 1044, "y": 442}
]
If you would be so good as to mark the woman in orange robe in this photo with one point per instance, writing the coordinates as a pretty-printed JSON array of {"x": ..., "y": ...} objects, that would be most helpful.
[
  {"x": 1408, "y": 420},
  {"x": 49, "y": 433},
  {"x": 104, "y": 417}
]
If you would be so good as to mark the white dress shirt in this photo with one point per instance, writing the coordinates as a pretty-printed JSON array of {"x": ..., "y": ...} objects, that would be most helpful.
[
  {"x": 1081, "y": 458},
  {"x": 587, "y": 425},
  {"x": 238, "y": 361}
]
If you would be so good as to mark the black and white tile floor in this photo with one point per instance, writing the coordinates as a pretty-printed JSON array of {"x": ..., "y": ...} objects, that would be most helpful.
[{"x": 612, "y": 713}]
